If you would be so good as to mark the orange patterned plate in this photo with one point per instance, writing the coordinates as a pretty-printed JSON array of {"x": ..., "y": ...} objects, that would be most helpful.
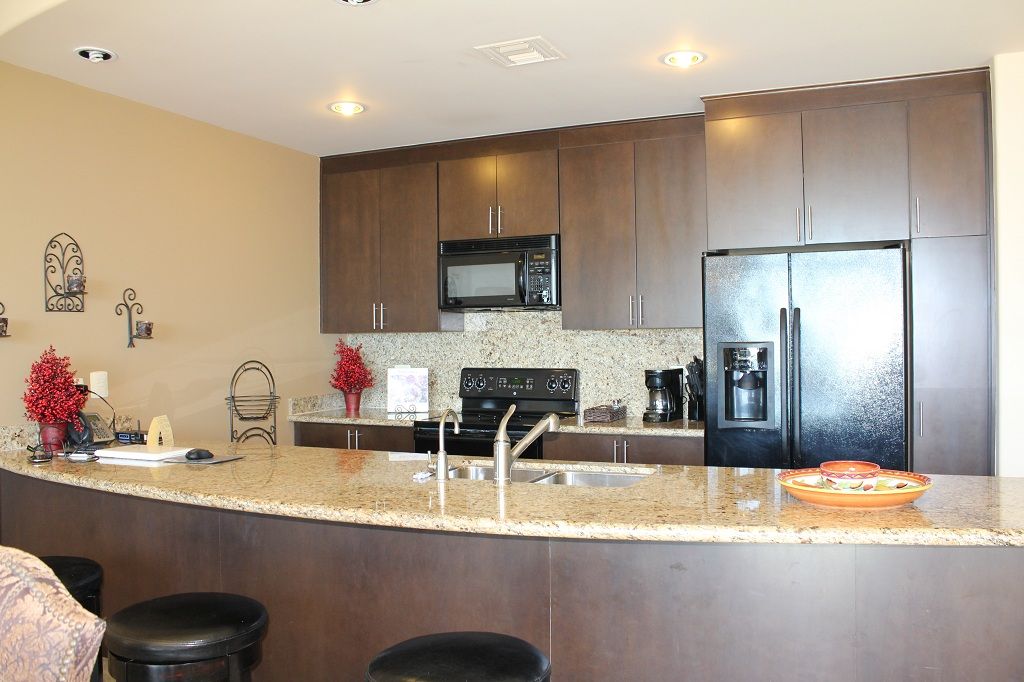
[{"x": 895, "y": 488}]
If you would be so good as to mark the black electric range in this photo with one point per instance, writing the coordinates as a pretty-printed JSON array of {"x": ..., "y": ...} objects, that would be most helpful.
[{"x": 487, "y": 394}]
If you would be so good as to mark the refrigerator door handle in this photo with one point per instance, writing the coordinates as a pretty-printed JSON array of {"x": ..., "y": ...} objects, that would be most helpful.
[
  {"x": 797, "y": 456},
  {"x": 784, "y": 372}
]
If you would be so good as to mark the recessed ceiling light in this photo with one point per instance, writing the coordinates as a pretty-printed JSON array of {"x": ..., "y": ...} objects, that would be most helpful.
[
  {"x": 356, "y": 3},
  {"x": 346, "y": 108},
  {"x": 684, "y": 59},
  {"x": 96, "y": 55}
]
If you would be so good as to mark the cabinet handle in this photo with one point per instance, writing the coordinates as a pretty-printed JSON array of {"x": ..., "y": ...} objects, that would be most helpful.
[
  {"x": 799, "y": 227},
  {"x": 348, "y": 445},
  {"x": 625, "y": 451},
  {"x": 500, "y": 211},
  {"x": 357, "y": 439},
  {"x": 382, "y": 309},
  {"x": 490, "y": 220},
  {"x": 615, "y": 451},
  {"x": 640, "y": 311},
  {"x": 917, "y": 210},
  {"x": 630, "y": 311},
  {"x": 920, "y": 418},
  {"x": 810, "y": 223},
  {"x": 374, "y": 315}
]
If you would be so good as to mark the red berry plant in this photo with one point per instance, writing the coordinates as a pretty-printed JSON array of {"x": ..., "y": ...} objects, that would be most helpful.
[
  {"x": 351, "y": 374},
  {"x": 51, "y": 396}
]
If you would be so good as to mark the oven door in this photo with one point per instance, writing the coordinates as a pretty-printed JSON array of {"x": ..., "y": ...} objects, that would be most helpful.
[
  {"x": 469, "y": 444},
  {"x": 492, "y": 279}
]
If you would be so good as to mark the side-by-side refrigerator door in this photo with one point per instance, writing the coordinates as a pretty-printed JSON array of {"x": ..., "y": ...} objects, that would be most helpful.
[
  {"x": 746, "y": 301},
  {"x": 849, "y": 395}
]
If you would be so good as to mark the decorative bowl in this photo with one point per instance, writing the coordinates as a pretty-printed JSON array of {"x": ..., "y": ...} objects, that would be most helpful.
[{"x": 849, "y": 474}]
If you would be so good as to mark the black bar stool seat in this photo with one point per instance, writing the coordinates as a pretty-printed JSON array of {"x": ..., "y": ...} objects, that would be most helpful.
[
  {"x": 450, "y": 656},
  {"x": 83, "y": 578},
  {"x": 193, "y": 636}
]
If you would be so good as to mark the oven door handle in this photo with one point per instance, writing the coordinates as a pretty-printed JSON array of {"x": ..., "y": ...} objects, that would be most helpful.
[{"x": 521, "y": 278}]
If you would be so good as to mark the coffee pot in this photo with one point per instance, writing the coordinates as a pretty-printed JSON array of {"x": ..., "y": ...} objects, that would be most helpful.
[{"x": 664, "y": 394}]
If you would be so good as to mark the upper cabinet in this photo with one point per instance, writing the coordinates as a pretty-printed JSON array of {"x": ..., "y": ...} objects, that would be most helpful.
[
  {"x": 634, "y": 225},
  {"x": 815, "y": 177},
  {"x": 378, "y": 250},
  {"x": 948, "y": 166},
  {"x": 508, "y": 195}
]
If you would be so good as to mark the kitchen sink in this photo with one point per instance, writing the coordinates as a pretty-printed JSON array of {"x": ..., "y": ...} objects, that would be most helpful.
[
  {"x": 486, "y": 473},
  {"x": 598, "y": 479}
]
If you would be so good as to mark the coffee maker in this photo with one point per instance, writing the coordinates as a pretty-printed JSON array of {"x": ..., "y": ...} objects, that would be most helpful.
[{"x": 665, "y": 401}]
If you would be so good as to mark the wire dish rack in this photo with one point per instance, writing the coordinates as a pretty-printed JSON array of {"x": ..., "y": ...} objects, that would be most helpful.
[{"x": 253, "y": 406}]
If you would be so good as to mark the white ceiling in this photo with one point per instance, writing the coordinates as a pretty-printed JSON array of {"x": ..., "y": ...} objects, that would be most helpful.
[{"x": 268, "y": 68}]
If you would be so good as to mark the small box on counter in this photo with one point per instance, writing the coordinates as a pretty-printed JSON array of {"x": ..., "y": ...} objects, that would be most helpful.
[{"x": 132, "y": 437}]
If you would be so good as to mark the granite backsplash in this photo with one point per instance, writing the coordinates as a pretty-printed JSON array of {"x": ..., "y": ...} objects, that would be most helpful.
[{"x": 611, "y": 363}]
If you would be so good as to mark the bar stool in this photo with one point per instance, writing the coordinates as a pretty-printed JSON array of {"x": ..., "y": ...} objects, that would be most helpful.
[
  {"x": 477, "y": 656},
  {"x": 84, "y": 580},
  {"x": 194, "y": 637}
]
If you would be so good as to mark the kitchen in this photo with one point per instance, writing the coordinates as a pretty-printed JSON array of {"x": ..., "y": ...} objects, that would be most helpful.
[{"x": 267, "y": 209}]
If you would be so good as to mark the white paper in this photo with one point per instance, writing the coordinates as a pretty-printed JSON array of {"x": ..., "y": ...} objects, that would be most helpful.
[{"x": 408, "y": 389}]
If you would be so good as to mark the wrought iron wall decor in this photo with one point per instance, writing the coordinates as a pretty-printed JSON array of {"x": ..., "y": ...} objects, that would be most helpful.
[
  {"x": 63, "y": 261},
  {"x": 252, "y": 407},
  {"x": 3, "y": 322},
  {"x": 137, "y": 329}
]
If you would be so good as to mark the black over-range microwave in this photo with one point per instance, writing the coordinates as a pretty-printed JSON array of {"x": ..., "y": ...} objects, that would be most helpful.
[{"x": 514, "y": 272}]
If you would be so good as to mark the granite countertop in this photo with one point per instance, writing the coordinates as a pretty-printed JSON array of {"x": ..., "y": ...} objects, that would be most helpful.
[
  {"x": 677, "y": 504},
  {"x": 630, "y": 426}
]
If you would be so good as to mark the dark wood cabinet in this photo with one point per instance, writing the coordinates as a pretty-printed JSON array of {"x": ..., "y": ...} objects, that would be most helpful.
[
  {"x": 378, "y": 250},
  {"x": 755, "y": 181},
  {"x": 507, "y": 195},
  {"x": 633, "y": 219},
  {"x": 948, "y": 165},
  {"x": 624, "y": 449},
  {"x": 815, "y": 177},
  {"x": 952, "y": 397},
  {"x": 855, "y": 174},
  {"x": 354, "y": 436}
]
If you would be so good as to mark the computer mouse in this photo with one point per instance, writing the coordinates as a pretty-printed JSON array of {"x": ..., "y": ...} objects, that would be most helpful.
[{"x": 198, "y": 453}]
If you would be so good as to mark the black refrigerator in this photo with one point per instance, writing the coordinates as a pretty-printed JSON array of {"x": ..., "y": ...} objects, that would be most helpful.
[{"x": 806, "y": 358}]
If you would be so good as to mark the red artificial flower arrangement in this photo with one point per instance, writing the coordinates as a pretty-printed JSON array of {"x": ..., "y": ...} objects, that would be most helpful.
[
  {"x": 51, "y": 396},
  {"x": 351, "y": 374}
]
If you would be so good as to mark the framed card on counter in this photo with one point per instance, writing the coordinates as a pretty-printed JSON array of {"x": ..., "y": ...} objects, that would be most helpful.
[{"x": 408, "y": 388}]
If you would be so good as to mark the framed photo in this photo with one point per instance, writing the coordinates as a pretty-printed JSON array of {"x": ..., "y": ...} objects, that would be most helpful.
[{"x": 408, "y": 389}]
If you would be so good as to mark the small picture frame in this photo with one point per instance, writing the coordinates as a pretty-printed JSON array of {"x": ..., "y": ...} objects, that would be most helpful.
[{"x": 408, "y": 389}]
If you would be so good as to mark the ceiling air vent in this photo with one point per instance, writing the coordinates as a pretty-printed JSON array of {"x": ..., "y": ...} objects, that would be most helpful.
[{"x": 521, "y": 51}]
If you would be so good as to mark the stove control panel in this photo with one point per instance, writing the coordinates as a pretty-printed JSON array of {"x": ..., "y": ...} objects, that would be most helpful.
[{"x": 536, "y": 384}]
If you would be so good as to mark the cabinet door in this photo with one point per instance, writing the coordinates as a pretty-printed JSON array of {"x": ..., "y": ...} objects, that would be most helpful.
[
  {"x": 664, "y": 450},
  {"x": 349, "y": 251},
  {"x": 598, "y": 265},
  {"x": 386, "y": 438},
  {"x": 948, "y": 166},
  {"x": 755, "y": 181},
  {"x": 466, "y": 198},
  {"x": 582, "y": 447},
  {"x": 671, "y": 231},
  {"x": 952, "y": 392},
  {"x": 855, "y": 174},
  {"x": 408, "y": 248},
  {"x": 527, "y": 193}
]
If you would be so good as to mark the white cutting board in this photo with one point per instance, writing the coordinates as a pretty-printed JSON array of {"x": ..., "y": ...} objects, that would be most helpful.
[{"x": 146, "y": 453}]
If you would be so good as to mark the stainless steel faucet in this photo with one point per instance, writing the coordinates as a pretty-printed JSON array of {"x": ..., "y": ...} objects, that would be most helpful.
[
  {"x": 442, "y": 454},
  {"x": 505, "y": 455}
]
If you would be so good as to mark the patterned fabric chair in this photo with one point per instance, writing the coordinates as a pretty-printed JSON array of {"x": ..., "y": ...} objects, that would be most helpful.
[{"x": 46, "y": 634}]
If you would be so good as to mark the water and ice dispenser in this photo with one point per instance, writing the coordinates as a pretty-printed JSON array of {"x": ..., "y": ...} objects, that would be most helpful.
[{"x": 746, "y": 398}]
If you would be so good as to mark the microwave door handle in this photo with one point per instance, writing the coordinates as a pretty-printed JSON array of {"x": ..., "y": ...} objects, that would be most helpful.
[{"x": 521, "y": 278}]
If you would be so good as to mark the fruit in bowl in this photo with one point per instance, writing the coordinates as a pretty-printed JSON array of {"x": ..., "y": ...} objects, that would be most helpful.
[{"x": 849, "y": 474}]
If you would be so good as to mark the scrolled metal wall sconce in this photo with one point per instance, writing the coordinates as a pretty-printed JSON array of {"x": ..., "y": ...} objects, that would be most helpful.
[
  {"x": 3, "y": 322},
  {"x": 140, "y": 329},
  {"x": 63, "y": 275}
]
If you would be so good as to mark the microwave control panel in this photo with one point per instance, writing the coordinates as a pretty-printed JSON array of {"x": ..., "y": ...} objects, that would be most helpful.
[
  {"x": 547, "y": 384},
  {"x": 541, "y": 278}
]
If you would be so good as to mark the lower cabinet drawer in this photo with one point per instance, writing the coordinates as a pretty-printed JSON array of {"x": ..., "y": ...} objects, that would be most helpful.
[
  {"x": 354, "y": 436},
  {"x": 585, "y": 447}
]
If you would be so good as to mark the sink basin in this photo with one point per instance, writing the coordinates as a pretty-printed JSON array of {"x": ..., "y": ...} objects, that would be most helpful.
[
  {"x": 598, "y": 479},
  {"x": 486, "y": 473}
]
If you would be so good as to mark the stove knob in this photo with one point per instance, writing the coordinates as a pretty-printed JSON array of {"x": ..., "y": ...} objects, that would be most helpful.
[
  {"x": 467, "y": 383},
  {"x": 566, "y": 383},
  {"x": 552, "y": 384},
  {"x": 481, "y": 383}
]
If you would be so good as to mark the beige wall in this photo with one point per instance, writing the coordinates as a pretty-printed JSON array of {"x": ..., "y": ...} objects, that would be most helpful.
[
  {"x": 217, "y": 232},
  {"x": 1008, "y": 129}
]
